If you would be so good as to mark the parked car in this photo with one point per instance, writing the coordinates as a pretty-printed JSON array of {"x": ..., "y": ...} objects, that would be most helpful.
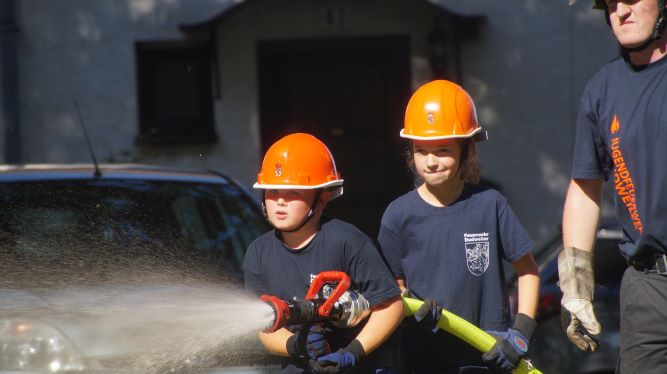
[
  {"x": 72, "y": 225},
  {"x": 550, "y": 350}
]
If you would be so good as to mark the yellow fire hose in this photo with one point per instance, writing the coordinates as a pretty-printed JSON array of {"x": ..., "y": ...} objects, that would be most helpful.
[{"x": 467, "y": 332}]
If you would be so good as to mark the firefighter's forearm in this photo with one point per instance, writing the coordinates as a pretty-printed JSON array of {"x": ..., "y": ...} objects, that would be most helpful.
[
  {"x": 275, "y": 342},
  {"x": 581, "y": 213},
  {"x": 383, "y": 320},
  {"x": 529, "y": 285}
]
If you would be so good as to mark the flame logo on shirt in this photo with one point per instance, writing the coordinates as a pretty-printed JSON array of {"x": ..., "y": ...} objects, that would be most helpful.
[{"x": 615, "y": 125}]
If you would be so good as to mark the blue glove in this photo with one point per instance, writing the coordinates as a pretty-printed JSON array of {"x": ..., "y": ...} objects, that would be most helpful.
[
  {"x": 511, "y": 346},
  {"x": 308, "y": 342},
  {"x": 428, "y": 315},
  {"x": 341, "y": 361}
]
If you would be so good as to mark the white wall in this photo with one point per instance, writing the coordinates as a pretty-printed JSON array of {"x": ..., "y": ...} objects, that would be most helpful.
[{"x": 83, "y": 51}]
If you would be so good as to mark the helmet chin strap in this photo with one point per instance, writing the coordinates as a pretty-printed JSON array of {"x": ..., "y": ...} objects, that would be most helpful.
[
  {"x": 310, "y": 215},
  {"x": 659, "y": 27}
]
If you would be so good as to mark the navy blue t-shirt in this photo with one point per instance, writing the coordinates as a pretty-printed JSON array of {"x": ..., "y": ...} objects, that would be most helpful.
[
  {"x": 622, "y": 136},
  {"x": 454, "y": 254},
  {"x": 274, "y": 269}
]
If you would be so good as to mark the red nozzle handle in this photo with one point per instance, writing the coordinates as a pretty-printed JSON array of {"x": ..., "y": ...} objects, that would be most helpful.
[
  {"x": 329, "y": 276},
  {"x": 281, "y": 310}
]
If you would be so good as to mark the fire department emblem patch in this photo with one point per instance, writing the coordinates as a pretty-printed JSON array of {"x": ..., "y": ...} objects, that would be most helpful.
[
  {"x": 279, "y": 169},
  {"x": 477, "y": 257}
]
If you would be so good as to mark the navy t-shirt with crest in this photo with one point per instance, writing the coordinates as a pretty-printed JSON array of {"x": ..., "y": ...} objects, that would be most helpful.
[
  {"x": 454, "y": 254},
  {"x": 622, "y": 137}
]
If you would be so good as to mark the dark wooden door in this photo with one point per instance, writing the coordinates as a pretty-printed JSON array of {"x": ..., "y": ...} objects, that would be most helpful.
[{"x": 350, "y": 93}]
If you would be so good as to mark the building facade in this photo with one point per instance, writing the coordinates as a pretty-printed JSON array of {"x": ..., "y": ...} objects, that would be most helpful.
[{"x": 212, "y": 83}]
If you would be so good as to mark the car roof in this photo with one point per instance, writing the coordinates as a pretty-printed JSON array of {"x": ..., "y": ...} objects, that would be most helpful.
[{"x": 44, "y": 172}]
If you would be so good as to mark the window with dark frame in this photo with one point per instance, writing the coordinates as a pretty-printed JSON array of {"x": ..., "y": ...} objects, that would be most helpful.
[{"x": 174, "y": 93}]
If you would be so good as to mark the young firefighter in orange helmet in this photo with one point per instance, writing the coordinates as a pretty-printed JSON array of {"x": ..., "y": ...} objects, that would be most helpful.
[
  {"x": 445, "y": 242},
  {"x": 299, "y": 178}
]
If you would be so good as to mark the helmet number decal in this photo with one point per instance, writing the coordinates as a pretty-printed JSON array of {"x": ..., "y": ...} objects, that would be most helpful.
[
  {"x": 279, "y": 169},
  {"x": 430, "y": 118}
]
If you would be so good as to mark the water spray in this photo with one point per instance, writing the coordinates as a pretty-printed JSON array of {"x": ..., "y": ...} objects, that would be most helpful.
[{"x": 342, "y": 307}]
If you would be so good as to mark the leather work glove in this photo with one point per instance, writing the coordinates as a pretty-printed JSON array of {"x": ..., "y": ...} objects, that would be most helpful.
[
  {"x": 309, "y": 342},
  {"x": 575, "y": 271},
  {"x": 428, "y": 315},
  {"x": 511, "y": 346},
  {"x": 341, "y": 361}
]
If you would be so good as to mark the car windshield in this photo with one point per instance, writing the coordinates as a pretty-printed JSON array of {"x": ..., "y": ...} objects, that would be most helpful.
[{"x": 101, "y": 230}]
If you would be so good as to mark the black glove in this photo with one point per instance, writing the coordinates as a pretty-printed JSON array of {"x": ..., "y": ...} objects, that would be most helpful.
[
  {"x": 511, "y": 346},
  {"x": 341, "y": 361},
  {"x": 428, "y": 315},
  {"x": 308, "y": 342}
]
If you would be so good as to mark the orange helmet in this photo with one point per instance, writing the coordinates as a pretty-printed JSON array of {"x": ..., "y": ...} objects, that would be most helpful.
[
  {"x": 299, "y": 161},
  {"x": 441, "y": 110}
]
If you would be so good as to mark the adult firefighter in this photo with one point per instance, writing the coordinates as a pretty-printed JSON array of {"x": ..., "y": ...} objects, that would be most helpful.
[
  {"x": 298, "y": 178},
  {"x": 622, "y": 136}
]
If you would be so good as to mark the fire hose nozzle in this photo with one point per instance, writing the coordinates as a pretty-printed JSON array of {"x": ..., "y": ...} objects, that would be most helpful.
[
  {"x": 281, "y": 312},
  {"x": 343, "y": 307}
]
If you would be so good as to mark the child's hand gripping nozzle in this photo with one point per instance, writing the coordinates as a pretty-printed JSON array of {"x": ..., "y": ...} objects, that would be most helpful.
[{"x": 343, "y": 307}]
